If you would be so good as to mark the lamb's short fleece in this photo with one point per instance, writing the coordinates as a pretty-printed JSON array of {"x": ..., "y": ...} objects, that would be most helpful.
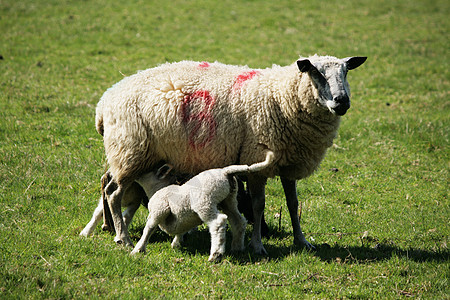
[{"x": 178, "y": 209}]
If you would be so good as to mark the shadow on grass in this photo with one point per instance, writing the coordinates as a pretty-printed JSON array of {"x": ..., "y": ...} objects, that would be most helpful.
[
  {"x": 198, "y": 243},
  {"x": 379, "y": 252}
]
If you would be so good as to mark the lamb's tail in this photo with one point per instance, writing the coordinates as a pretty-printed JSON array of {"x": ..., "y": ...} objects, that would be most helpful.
[{"x": 237, "y": 169}]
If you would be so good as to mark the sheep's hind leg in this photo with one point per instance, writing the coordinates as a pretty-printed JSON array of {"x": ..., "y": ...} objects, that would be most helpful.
[
  {"x": 108, "y": 224},
  {"x": 114, "y": 194},
  {"x": 292, "y": 204}
]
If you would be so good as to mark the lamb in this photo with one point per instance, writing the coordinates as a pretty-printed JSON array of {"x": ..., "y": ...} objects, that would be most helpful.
[
  {"x": 132, "y": 198},
  {"x": 178, "y": 209},
  {"x": 198, "y": 116}
]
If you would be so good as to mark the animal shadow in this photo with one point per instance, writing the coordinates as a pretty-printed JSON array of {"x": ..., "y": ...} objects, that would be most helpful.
[
  {"x": 378, "y": 252},
  {"x": 198, "y": 242}
]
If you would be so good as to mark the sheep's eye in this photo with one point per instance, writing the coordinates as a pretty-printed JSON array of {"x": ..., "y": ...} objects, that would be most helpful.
[{"x": 318, "y": 76}]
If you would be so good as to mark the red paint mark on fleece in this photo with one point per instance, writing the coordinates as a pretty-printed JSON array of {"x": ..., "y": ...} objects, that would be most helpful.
[
  {"x": 242, "y": 78},
  {"x": 194, "y": 118},
  {"x": 204, "y": 64}
]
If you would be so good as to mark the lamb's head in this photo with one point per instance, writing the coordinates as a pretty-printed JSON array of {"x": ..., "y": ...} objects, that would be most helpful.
[
  {"x": 329, "y": 76},
  {"x": 153, "y": 181}
]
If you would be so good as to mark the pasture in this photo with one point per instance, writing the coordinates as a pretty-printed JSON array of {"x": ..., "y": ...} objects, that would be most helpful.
[{"x": 377, "y": 209}]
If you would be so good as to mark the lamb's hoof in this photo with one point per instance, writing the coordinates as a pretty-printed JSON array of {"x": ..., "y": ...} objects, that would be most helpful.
[
  {"x": 215, "y": 257},
  {"x": 175, "y": 245},
  {"x": 137, "y": 251},
  {"x": 84, "y": 233}
]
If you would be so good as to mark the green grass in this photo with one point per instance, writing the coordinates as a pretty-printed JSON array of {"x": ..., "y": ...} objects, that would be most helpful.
[{"x": 380, "y": 223}]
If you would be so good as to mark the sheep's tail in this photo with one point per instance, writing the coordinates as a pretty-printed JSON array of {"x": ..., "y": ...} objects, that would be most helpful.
[
  {"x": 237, "y": 169},
  {"x": 99, "y": 117}
]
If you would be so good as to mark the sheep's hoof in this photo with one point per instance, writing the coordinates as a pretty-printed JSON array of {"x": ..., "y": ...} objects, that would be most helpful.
[
  {"x": 106, "y": 227},
  {"x": 125, "y": 242},
  {"x": 237, "y": 247},
  {"x": 304, "y": 244},
  {"x": 259, "y": 250},
  {"x": 215, "y": 257}
]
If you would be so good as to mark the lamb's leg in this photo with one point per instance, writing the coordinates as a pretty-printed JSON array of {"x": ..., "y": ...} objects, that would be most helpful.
[
  {"x": 132, "y": 199},
  {"x": 290, "y": 191},
  {"x": 96, "y": 217},
  {"x": 237, "y": 222},
  {"x": 150, "y": 228},
  {"x": 129, "y": 212},
  {"x": 114, "y": 193},
  {"x": 157, "y": 214},
  {"x": 177, "y": 240},
  {"x": 257, "y": 193},
  {"x": 217, "y": 228}
]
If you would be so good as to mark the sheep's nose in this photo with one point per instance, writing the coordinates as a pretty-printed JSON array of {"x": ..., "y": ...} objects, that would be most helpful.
[{"x": 343, "y": 104}]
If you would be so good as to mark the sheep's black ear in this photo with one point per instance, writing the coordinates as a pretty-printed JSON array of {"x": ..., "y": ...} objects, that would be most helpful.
[
  {"x": 164, "y": 171},
  {"x": 304, "y": 65},
  {"x": 354, "y": 62}
]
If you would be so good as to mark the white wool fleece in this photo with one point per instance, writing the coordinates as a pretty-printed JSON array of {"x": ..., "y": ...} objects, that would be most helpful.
[{"x": 199, "y": 115}]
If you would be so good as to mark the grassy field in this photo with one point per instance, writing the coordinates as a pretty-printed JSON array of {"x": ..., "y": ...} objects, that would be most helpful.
[{"x": 380, "y": 223}]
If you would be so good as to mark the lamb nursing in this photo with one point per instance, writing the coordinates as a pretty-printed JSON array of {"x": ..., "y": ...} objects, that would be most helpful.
[
  {"x": 178, "y": 209},
  {"x": 198, "y": 116}
]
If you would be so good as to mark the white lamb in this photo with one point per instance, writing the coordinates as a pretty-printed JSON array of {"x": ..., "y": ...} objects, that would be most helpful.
[
  {"x": 132, "y": 199},
  {"x": 178, "y": 209},
  {"x": 199, "y": 116}
]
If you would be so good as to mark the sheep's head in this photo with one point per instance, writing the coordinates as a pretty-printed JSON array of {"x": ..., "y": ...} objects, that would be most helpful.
[{"x": 329, "y": 76}]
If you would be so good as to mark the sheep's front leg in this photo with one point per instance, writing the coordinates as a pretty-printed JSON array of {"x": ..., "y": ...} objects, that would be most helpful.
[
  {"x": 96, "y": 217},
  {"x": 257, "y": 193},
  {"x": 114, "y": 193},
  {"x": 290, "y": 190}
]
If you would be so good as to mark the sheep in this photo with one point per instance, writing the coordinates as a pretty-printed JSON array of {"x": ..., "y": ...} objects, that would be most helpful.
[
  {"x": 198, "y": 116},
  {"x": 178, "y": 209},
  {"x": 132, "y": 199}
]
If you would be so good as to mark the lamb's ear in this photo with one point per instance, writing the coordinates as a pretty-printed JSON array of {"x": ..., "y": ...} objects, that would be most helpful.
[
  {"x": 354, "y": 62},
  {"x": 164, "y": 171},
  {"x": 304, "y": 65}
]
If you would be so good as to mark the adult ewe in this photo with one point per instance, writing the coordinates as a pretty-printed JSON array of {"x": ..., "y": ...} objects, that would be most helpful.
[{"x": 199, "y": 116}]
